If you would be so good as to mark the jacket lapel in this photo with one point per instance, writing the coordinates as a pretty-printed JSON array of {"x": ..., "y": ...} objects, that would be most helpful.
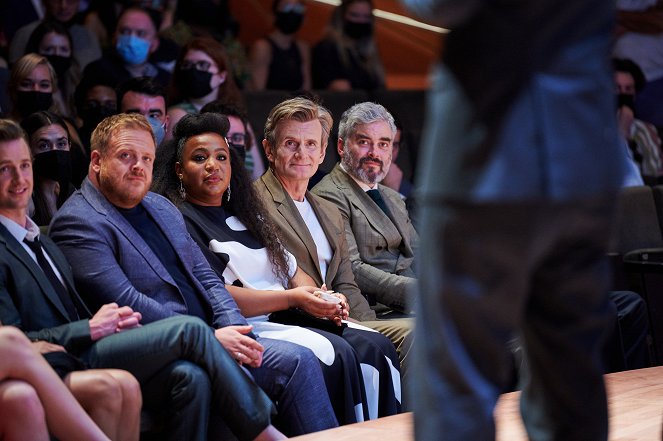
[
  {"x": 105, "y": 208},
  {"x": 17, "y": 250}
]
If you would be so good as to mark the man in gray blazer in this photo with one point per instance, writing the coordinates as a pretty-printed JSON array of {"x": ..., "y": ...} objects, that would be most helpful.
[
  {"x": 310, "y": 227},
  {"x": 178, "y": 355},
  {"x": 130, "y": 246},
  {"x": 381, "y": 238}
]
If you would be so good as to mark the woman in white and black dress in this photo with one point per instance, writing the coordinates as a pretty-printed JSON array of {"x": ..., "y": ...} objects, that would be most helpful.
[{"x": 199, "y": 172}]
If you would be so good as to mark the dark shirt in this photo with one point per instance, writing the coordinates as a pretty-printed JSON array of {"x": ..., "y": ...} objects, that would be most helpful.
[
  {"x": 285, "y": 70},
  {"x": 151, "y": 233},
  {"x": 328, "y": 66}
]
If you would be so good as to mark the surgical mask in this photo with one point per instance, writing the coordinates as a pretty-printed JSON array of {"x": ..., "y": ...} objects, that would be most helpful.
[
  {"x": 158, "y": 128},
  {"x": 60, "y": 64},
  {"x": 53, "y": 164},
  {"x": 29, "y": 102},
  {"x": 358, "y": 31},
  {"x": 132, "y": 49},
  {"x": 194, "y": 83},
  {"x": 289, "y": 22}
]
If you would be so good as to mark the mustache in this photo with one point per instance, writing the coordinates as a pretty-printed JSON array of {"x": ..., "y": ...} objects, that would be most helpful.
[{"x": 366, "y": 159}]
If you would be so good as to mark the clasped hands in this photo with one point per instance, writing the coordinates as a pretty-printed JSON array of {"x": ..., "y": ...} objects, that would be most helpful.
[{"x": 304, "y": 298}]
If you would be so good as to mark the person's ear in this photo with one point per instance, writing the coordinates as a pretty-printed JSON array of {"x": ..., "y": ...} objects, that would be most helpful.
[
  {"x": 178, "y": 170},
  {"x": 269, "y": 153},
  {"x": 339, "y": 147},
  {"x": 95, "y": 161}
]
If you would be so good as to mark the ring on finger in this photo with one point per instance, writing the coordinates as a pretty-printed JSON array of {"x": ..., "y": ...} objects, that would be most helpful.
[{"x": 238, "y": 354}]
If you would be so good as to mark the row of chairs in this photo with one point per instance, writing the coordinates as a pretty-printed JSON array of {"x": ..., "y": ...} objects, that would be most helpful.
[{"x": 636, "y": 254}]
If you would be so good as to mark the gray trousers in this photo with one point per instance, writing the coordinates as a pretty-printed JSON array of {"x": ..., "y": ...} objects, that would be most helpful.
[{"x": 489, "y": 272}]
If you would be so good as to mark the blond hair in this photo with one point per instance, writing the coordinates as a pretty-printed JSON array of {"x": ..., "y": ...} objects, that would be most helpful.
[
  {"x": 298, "y": 109},
  {"x": 108, "y": 127}
]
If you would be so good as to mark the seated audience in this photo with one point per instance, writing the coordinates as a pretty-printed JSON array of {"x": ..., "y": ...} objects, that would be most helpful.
[
  {"x": 135, "y": 38},
  {"x": 224, "y": 216},
  {"x": 35, "y": 403},
  {"x": 381, "y": 239},
  {"x": 50, "y": 145},
  {"x": 145, "y": 96},
  {"x": 280, "y": 61},
  {"x": 52, "y": 40},
  {"x": 312, "y": 228},
  {"x": 178, "y": 356},
  {"x": 130, "y": 246},
  {"x": 32, "y": 85},
  {"x": 347, "y": 57},
  {"x": 85, "y": 44},
  {"x": 642, "y": 136}
]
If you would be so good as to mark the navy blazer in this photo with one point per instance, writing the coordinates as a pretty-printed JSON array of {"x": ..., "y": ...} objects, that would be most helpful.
[
  {"x": 29, "y": 302},
  {"x": 112, "y": 263}
]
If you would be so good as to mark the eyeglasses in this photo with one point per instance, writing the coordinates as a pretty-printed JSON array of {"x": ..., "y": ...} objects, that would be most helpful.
[
  {"x": 237, "y": 138},
  {"x": 202, "y": 65}
]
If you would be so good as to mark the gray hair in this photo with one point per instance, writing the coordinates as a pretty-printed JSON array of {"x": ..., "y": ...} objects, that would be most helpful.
[{"x": 363, "y": 113}]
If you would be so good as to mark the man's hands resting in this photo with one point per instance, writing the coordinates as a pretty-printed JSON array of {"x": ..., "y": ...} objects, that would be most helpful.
[{"x": 111, "y": 319}]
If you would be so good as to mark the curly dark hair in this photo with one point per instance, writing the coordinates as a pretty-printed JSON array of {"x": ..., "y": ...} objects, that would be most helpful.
[{"x": 245, "y": 202}]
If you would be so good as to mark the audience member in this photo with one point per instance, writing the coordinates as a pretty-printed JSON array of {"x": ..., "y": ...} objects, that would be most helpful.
[
  {"x": 179, "y": 353},
  {"x": 639, "y": 37},
  {"x": 33, "y": 401},
  {"x": 52, "y": 40},
  {"x": 202, "y": 75},
  {"x": 381, "y": 239},
  {"x": 519, "y": 176},
  {"x": 135, "y": 38},
  {"x": 642, "y": 136},
  {"x": 85, "y": 44},
  {"x": 145, "y": 96},
  {"x": 395, "y": 177},
  {"x": 95, "y": 100},
  {"x": 312, "y": 228},
  {"x": 138, "y": 253},
  {"x": 347, "y": 57},
  {"x": 279, "y": 60},
  {"x": 32, "y": 85},
  {"x": 226, "y": 218},
  {"x": 240, "y": 135},
  {"x": 48, "y": 138}
]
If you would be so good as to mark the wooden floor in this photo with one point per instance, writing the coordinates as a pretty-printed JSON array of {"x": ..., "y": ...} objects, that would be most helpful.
[{"x": 635, "y": 401}]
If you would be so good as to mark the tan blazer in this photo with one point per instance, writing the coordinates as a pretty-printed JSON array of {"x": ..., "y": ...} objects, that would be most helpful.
[
  {"x": 381, "y": 247},
  {"x": 298, "y": 240}
]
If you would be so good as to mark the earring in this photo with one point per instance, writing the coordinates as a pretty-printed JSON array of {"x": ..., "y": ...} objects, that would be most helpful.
[
  {"x": 182, "y": 191},
  {"x": 228, "y": 193}
]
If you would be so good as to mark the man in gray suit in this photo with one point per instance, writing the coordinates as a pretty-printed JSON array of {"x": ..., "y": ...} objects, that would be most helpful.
[
  {"x": 381, "y": 238},
  {"x": 130, "y": 246},
  {"x": 177, "y": 358},
  {"x": 312, "y": 228}
]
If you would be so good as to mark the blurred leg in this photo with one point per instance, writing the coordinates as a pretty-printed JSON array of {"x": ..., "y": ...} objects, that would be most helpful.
[{"x": 22, "y": 415}]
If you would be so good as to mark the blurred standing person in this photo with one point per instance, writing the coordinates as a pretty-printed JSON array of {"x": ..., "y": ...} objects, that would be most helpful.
[
  {"x": 518, "y": 178},
  {"x": 347, "y": 57},
  {"x": 280, "y": 61}
]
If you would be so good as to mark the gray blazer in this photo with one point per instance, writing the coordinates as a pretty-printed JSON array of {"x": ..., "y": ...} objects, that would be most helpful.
[
  {"x": 381, "y": 248},
  {"x": 298, "y": 240},
  {"x": 112, "y": 263}
]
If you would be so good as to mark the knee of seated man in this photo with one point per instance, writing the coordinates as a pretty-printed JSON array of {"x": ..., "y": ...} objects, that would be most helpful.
[{"x": 188, "y": 381}]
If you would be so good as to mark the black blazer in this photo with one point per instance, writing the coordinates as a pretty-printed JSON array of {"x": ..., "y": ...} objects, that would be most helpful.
[{"x": 29, "y": 302}]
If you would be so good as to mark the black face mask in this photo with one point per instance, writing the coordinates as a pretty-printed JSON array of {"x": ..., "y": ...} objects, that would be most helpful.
[
  {"x": 194, "y": 83},
  {"x": 30, "y": 102},
  {"x": 238, "y": 150},
  {"x": 624, "y": 99},
  {"x": 289, "y": 22},
  {"x": 94, "y": 114},
  {"x": 356, "y": 30},
  {"x": 54, "y": 164},
  {"x": 60, "y": 64}
]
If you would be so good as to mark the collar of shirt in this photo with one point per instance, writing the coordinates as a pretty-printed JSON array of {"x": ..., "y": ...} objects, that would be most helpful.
[
  {"x": 29, "y": 231},
  {"x": 364, "y": 186}
]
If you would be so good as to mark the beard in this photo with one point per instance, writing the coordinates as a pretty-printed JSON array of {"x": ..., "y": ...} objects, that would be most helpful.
[{"x": 355, "y": 166}]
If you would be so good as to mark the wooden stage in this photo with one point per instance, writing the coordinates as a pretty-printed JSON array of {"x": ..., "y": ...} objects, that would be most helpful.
[{"x": 635, "y": 401}]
